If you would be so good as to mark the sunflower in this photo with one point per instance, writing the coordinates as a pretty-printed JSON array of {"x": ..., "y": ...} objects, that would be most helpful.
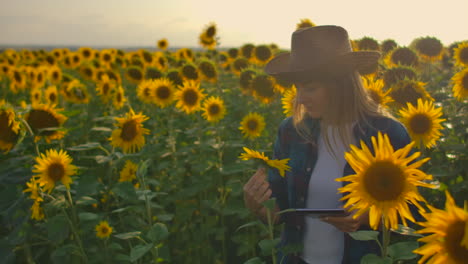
[
  {"x": 105, "y": 88},
  {"x": 460, "y": 87},
  {"x": 50, "y": 60},
  {"x": 146, "y": 56},
  {"x": 33, "y": 188},
  {"x": 207, "y": 70},
  {"x": 305, "y": 23},
  {"x": 53, "y": 167},
  {"x": 86, "y": 53},
  {"x": 44, "y": 120},
  {"x": 145, "y": 91},
  {"x": 119, "y": 97},
  {"x": 55, "y": 75},
  {"x": 282, "y": 85},
  {"x": 263, "y": 87},
  {"x": 245, "y": 79},
  {"x": 134, "y": 74},
  {"x": 162, "y": 92},
  {"x": 163, "y": 44},
  {"x": 388, "y": 45},
  {"x": 51, "y": 95},
  {"x": 161, "y": 61},
  {"x": 213, "y": 109},
  {"x": 394, "y": 75},
  {"x": 207, "y": 42},
  {"x": 106, "y": 57},
  {"x": 422, "y": 122},
  {"x": 37, "y": 213},
  {"x": 57, "y": 53},
  {"x": 87, "y": 71},
  {"x": 238, "y": 65},
  {"x": 76, "y": 92},
  {"x": 368, "y": 43},
  {"x": 460, "y": 54},
  {"x": 36, "y": 96},
  {"x": 401, "y": 56},
  {"x": 103, "y": 230},
  {"x": 428, "y": 48},
  {"x": 376, "y": 92},
  {"x": 247, "y": 50},
  {"x": 130, "y": 132},
  {"x": 252, "y": 125},
  {"x": 9, "y": 129},
  {"x": 189, "y": 72},
  {"x": 288, "y": 101},
  {"x": 384, "y": 182},
  {"x": 128, "y": 173},
  {"x": 409, "y": 91},
  {"x": 174, "y": 77},
  {"x": 262, "y": 54},
  {"x": 448, "y": 232},
  {"x": 184, "y": 54},
  {"x": 280, "y": 165},
  {"x": 223, "y": 59},
  {"x": 233, "y": 53},
  {"x": 17, "y": 80},
  {"x": 189, "y": 97},
  {"x": 76, "y": 59}
]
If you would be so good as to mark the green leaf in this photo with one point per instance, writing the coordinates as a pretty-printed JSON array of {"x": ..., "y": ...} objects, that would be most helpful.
[
  {"x": 407, "y": 231},
  {"x": 253, "y": 223},
  {"x": 255, "y": 260},
  {"x": 143, "y": 168},
  {"x": 267, "y": 245},
  {"x": 125, "y": 190},
  {"x": 164, "y": 217},
  {"x": 139, "y": 251},
  {"x": 87, "y": 185},
  {"x": 86, "y": 200},
  {"x": 57, "y": 228},
  {"x": 128, "y": 235},
  {"x": 103, "y": 129},
  {"x": 87, "y": 216},
  {"x": 158, "y": 233},
  {"x": 87, "y": 146},
  {"x": 374, "y": 259},
  {"x": 403, "y": 250},
  {"x": 364, "y": 235}
]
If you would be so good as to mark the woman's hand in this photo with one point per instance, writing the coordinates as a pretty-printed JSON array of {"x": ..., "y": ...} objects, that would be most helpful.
[
  {"x": 256, "y": 191},
  {"x": 347, "y": 223}
]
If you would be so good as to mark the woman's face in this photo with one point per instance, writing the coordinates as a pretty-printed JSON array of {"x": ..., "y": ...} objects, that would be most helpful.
[{"x": 313, "y": 95}]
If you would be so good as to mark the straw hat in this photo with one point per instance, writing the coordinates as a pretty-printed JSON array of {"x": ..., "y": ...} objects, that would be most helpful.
[{"x": 318, "y": 51}]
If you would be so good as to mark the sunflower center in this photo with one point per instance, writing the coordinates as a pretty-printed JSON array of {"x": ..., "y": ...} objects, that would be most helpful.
[
  {"x": 240, "y": 63},
  {"x": 86, "y": 53},
  {"x": 56, "y": 171},
  {"x": 52, "y": 97},
  {"x": 465, "y": 82},
  {"x": 88, "y": 72},
  {"x": 208, "y": 70},
  {"x": 106, "y": 57},
  {"x": 36, "y": 96},
  {"x": 105, "y": 88},
  {"x": 190, "y": 97},
  {"x": 163, "y": 92},
  {"x": 252, "y": 125},
  {"x": 420, "y": 123},
  {"x": 464, "y": 55},
  {"x": 76, "y": 59},
  {"x": 214, "y": 109},
  {"x": 129, "y": 130},
  {"x": 135, "y": 74},
  {"x": 55, "y": 75},
  {"x": 384, "y": 181},
  {"x": 263, "y": 86},
  {"x": 406, "y": 94},
  {"x": 6, "y": 133},
  {"x": 17, "y": 77},
  {"x": 39, "y": 119},
  {"x": 455, "y": 233},
  {"x": 190, "y": 72},
  {"x": 104, "y": 230},
  {"x": 262, "y": 53},
  {"x": 119, "y": 97},
  {"x": 375, "y": 96},
  {"x": 404, "y": 56}
]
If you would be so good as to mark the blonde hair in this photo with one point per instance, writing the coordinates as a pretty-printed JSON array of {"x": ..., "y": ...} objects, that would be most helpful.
[{"x": 348, "y": 104}]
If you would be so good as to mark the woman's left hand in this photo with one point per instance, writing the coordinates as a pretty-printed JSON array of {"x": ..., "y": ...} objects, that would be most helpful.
[{"x": 347, "y": 223}]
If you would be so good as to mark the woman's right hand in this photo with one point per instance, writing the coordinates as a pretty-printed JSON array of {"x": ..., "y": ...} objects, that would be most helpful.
[{"x": 256, "y": 191}]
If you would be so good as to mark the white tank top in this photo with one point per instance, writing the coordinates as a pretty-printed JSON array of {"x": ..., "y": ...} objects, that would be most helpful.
[{"x": 323, "y": 243}]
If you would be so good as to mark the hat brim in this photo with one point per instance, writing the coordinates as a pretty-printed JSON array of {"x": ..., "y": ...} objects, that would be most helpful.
[{"x": 361, "y": 61}]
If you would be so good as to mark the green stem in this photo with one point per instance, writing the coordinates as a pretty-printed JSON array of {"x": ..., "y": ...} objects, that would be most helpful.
[
  {"x": 386, "y": 239},
  {"x": 73, "y": 222},
  {"x": 270, "y": 230}
]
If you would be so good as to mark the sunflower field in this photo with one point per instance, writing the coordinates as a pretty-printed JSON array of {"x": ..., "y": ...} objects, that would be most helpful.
[{"x": 135, "y": 156}]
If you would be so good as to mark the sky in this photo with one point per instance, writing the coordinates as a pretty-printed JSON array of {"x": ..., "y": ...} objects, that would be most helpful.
[{"x": 120, "y": 23}]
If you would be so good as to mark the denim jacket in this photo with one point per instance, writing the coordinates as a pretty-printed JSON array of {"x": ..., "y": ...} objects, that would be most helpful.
[{"x": 291, "y": 191}]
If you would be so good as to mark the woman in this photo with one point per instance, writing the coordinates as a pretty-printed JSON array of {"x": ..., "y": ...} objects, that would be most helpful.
[{"x": 332, "y": 111}]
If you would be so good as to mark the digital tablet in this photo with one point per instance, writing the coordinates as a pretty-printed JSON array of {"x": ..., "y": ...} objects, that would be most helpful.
[{"x": 321, "y": 212}]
